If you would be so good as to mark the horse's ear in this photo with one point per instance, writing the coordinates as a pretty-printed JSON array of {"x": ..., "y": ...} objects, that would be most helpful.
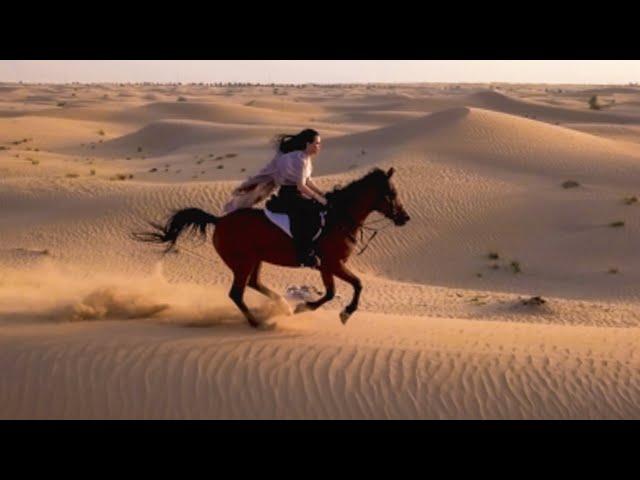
[{"x": 390, "y": 172}]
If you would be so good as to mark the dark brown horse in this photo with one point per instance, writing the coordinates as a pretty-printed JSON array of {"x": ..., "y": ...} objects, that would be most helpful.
[{"x": 245, "y": 238}]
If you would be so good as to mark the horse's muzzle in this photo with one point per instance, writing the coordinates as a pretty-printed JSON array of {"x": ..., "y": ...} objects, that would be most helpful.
[{"x": 401, "y": 219}]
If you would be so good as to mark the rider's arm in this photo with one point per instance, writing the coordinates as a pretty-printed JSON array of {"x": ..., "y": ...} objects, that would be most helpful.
[
  {"x": 311, "y": 184},
  {"x": 305, "y": 190}
]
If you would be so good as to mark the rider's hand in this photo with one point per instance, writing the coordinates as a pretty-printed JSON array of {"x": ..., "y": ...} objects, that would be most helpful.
[{"x": 323, "y": 201}]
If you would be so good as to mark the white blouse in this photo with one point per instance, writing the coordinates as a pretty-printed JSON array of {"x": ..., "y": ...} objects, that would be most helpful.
[{"x": 291, "y": 168}]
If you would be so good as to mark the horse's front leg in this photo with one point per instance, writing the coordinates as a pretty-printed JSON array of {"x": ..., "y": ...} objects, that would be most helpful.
[
  {"x": 347, "y": 275},
  {"x": 330, "y": 291}
]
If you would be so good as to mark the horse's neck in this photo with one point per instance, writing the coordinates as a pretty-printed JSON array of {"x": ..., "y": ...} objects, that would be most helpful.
[{"x": 357, "y": 213}]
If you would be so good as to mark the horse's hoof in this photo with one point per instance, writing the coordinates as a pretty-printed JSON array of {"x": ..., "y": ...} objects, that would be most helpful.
[
  {"x": 302, "y": 307},
  {"x": 284, "y": 307},
  {"x": 265, "y": 327},
  {"x": 344, "y": 316}
]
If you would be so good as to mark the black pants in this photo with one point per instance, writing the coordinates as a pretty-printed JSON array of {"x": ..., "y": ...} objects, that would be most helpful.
[{"x": 303, "y": 214}]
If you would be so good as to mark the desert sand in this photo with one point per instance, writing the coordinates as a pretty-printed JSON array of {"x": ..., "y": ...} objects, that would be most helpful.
[{"x": 94, "y": 325}]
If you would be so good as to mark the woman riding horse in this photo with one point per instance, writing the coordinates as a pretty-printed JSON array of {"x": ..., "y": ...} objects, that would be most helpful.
[
  {"x": 245, "y": 238},
  {"x": 298, "y": 196}
]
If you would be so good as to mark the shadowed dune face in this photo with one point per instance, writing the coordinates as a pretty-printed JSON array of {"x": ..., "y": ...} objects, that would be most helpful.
[{"x": 514, "y": 192}]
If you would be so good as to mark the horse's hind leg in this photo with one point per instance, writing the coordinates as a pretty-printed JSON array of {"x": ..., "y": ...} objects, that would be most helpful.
[
  {"x": 256, "y": 284},
  {"x": 240, "y": 278},
  {"x": 345, "y": 274}
]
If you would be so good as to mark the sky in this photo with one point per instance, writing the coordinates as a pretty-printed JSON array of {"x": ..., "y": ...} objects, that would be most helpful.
[{"x": 322, "y": 71}]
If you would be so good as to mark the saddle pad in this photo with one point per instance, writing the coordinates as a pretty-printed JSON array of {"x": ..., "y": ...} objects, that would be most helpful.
[{"x": 283, "y": 222}]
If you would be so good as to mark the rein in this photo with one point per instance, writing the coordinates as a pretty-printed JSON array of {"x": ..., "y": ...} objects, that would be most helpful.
[
  {"x": 366, "y": 226},
  {"x": 373, "y": 235}
]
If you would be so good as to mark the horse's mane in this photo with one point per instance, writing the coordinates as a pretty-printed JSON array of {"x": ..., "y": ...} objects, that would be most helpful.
[{"x": 340, "y": 197}]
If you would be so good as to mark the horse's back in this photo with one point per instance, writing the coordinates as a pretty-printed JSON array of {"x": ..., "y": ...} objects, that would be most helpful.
[
  {"x": 247, "y": 235},
  {"x": 248, "y": 222}
]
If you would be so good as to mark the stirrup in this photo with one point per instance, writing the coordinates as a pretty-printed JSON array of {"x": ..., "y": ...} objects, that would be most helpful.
[{"x": 312, "y": 261}]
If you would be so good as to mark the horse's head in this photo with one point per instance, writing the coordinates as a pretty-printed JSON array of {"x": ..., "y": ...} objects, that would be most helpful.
[{"x": 387, "y": 202}]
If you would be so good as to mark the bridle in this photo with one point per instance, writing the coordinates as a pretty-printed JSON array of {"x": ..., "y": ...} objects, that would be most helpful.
[
  {"x": 365, "y": 226},
  {"x": 375, "y": 231}
]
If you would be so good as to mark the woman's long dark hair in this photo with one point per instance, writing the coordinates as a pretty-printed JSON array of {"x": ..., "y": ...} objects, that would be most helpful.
[{"x": 290, "y": 143}]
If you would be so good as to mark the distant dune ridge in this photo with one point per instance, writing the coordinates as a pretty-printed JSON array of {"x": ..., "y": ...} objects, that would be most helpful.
[{"x": 515, "y": 192}]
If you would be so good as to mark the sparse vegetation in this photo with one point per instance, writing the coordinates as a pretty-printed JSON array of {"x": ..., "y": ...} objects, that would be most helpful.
[
  {"x": 593, "y": 103},
  {"x": 243, "y": 169},
  {"x": 92, "y": 172},
  {"x": 515, "y": 266},
  {"x": 101, "y": 132},
  {"x": 139, "y": 149},
  {"x": 493, "y": 256},
  {"x": 34, "y": 161},
  {"x": 231, "y": 155},
  {"x": 154, "y": 169},
  {"x": 617, "y": 224},
  {"x": 534, "y": 301},
  {"x": 72, "y": 175},
  {"x": 630, "y": 200},
  {"x": 613, "y": 271},
  {"x": 220, "y": 167},
  {"x": 62, "y": 104},
  {"x": 182, "y": 99},
  {"x": 570, "y": 184},
  {"x": 494, "y": 266}
]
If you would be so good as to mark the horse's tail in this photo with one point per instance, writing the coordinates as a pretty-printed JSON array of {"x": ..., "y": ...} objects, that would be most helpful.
[{"x": 189, "y": 218}]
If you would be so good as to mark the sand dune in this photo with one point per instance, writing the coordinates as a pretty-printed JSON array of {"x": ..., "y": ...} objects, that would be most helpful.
[
  {"x": 96, "y": 325},
  {"x": 453, "y": 370},
  {"x": 161, "y": 137},
  {"x": 499, "y": 140},
  {"x": 503, "y": 103}
]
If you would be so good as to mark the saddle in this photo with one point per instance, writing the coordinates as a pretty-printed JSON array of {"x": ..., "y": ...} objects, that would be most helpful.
[
  {"x": 283, "y": 221},
  {"x": 288, "y": 206}
]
